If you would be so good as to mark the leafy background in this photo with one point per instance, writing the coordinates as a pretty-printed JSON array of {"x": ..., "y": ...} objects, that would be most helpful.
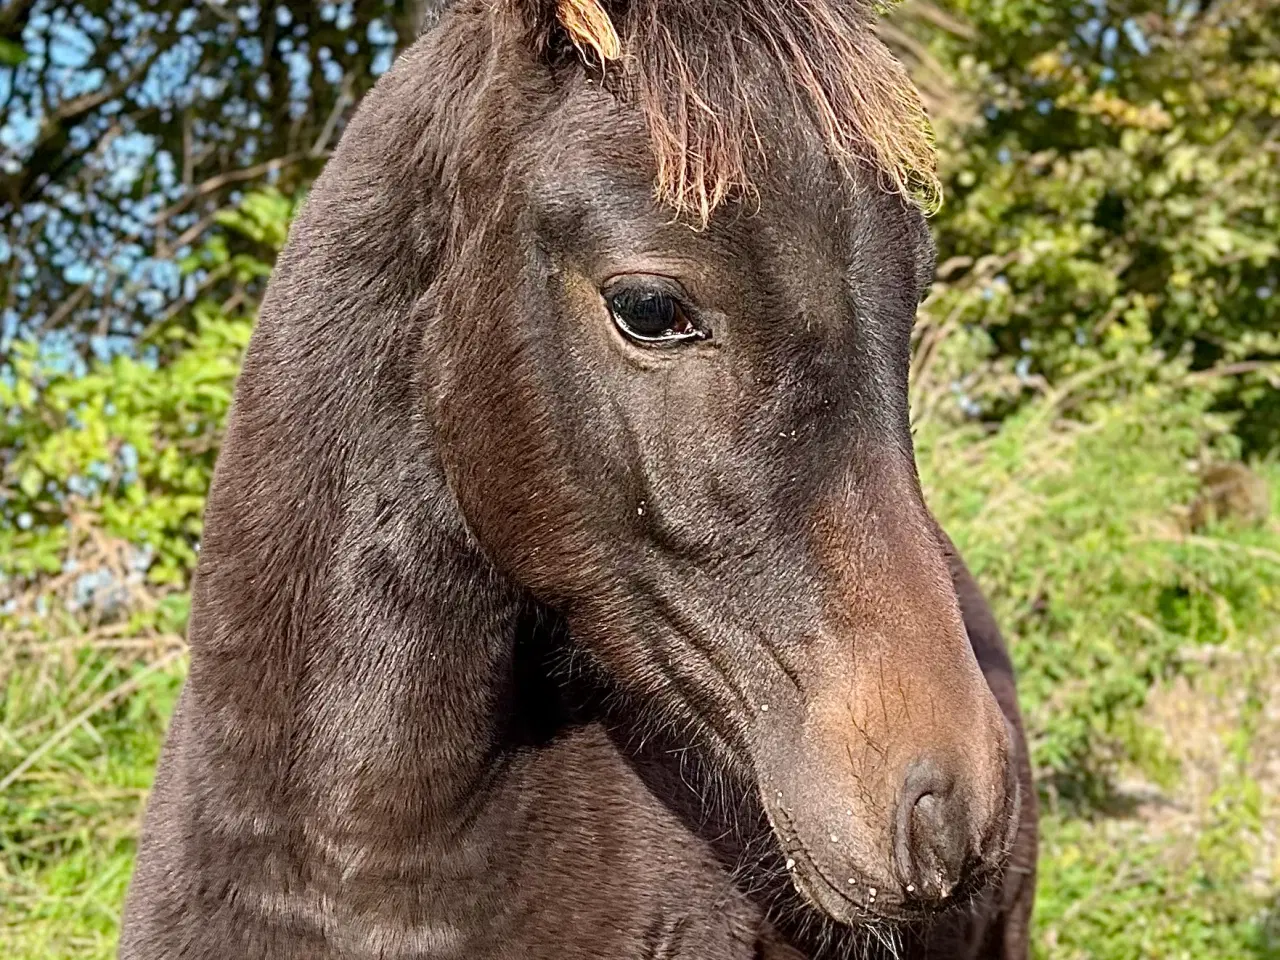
[{"x": 1105, "y": 326}]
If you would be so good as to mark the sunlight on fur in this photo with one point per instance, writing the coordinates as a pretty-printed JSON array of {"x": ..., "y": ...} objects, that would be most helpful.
[
  {"x": 589, "y": 26},
  {"x": 692, "y": 86}
]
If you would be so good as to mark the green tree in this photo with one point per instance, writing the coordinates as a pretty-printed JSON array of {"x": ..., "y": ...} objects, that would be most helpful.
[
  {"x": 125, "y": 125},
  {"x": 1120, "y": 185}
]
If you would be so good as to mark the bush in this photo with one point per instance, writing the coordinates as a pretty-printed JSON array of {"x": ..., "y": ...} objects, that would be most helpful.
[
  {"x": 1073, "y": 527},
  {"x": 1122, "y": 178},
  {"x": 125, "y": 448}
]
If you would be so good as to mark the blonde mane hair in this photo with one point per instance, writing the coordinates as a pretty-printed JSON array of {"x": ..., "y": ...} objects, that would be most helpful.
[{"x": 682, "y": 62}]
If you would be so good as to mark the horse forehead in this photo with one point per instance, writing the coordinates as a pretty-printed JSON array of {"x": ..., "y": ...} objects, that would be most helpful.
[
  {"x": 589, "y": 176},
  {"x": 600, "y": 192},
  {"x": 586, "y": 138},
  {"x": 591, "y": 143}
]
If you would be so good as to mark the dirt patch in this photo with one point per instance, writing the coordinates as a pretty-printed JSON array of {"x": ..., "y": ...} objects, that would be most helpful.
[{"x": 1221, "y": 724}]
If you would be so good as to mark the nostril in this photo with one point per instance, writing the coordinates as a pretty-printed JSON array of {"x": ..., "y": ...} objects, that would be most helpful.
[
  {"x": 926, "y": 816},
  {"x": 930, "y": 844}
]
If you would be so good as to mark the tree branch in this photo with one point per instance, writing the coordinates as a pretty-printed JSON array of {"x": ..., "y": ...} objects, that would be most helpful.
[
  {"x": 216, "y": 183},
  {"x": 55, "y": 131},
  {"x": 14, "y": 16}
]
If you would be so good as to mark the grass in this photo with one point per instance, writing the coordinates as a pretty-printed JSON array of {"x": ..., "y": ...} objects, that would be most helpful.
[
  {"x": 1150, "y": 675},
  {"x": 1189, "y": 869},
  {"x": 68, "y": 824}
]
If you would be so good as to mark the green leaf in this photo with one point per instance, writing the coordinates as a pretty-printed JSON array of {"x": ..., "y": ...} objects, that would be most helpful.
[
  {"x": 31, "y": 482},
  {"x": 11, "y": 54}
]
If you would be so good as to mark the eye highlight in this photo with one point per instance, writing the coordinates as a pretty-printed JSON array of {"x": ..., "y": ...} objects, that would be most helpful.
[{"x": 651, "y": 316}]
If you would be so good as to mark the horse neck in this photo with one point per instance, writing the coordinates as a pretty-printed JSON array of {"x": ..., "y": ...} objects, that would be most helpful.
[
  {"x": 351, "y": 651},
  {"x": 351, "y": 646}
]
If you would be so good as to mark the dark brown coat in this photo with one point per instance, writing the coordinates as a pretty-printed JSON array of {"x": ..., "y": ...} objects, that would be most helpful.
[{"x": 515, "y": 635}]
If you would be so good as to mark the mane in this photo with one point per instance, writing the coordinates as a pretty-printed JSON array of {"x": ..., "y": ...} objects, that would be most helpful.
[{"x": 684, "y": 62}]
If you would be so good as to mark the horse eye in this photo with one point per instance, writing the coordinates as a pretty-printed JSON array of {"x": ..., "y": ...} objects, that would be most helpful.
[{"x": 651, "y": 317}]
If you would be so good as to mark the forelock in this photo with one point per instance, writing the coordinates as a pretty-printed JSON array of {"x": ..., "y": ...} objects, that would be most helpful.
[{"x": 690, "y": 65}]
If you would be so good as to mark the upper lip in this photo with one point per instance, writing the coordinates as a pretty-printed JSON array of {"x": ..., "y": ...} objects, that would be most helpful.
[{"x": 824, "y": 893}]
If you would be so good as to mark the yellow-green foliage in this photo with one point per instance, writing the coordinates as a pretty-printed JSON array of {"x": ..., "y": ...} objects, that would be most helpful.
[
  {"x": 126, "y": 447},
  {"x": 1122, "y": 174},
  {"x": 1072, "y": 527}
]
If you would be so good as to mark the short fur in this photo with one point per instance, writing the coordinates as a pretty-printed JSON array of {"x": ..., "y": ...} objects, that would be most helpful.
[{"x": 512, "y": 639}]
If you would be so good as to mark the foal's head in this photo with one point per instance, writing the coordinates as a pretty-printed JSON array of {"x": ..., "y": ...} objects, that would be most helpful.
[{"x": 679, "y": 415}]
